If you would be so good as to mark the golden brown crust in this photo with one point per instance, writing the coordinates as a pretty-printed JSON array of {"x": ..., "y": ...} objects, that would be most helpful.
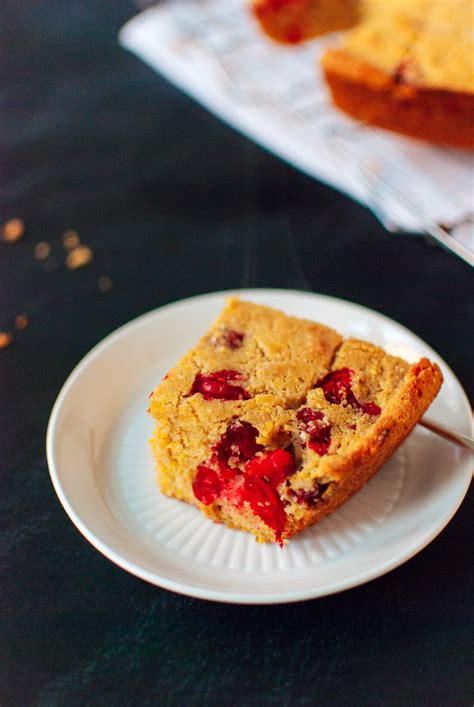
[{"x": 371, "y": 95}]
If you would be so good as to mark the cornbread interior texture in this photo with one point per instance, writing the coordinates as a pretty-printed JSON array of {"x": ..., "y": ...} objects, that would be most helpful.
[{"x": 281, "y": 361}]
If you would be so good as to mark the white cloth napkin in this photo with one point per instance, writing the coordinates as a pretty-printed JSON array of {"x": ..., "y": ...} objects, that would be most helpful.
[{"x": 213, "y": 50}]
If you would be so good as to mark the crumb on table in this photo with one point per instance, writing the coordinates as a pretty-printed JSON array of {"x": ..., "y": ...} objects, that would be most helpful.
[
  {"x": 5, "y": 339},
  {"x": 78, "y": 257},
  {"x": 71, "y": 240},
  {"x": 21, "y": 321},
  {"x": 13, "y": 230},
  {"x": 42, "y": 250}
]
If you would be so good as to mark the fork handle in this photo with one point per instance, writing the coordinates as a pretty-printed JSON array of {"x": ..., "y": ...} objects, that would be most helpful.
[{"x": 447, "y": 433}]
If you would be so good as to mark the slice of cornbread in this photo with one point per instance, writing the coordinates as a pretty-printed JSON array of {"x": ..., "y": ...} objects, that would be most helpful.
[
  {"x": 404, "y": 65},
  {"x": 409, "y": 67},
  {"x": 272, "y": 422}
]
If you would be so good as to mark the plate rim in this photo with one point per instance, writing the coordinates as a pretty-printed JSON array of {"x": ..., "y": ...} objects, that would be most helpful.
[{"x": 220, "y": 595}]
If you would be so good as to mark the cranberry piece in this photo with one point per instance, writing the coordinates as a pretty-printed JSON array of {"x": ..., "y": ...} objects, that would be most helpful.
[
  {"x": 322, "y": 442},
  {"x": 371, "y": 409},
  {"x": 225, "y": 472},
  {"x": 265, "y": 503},
  {"x": 294, "y": 35},
  {"x": 319, "y": 434},
  {"x": 336, "y": 386},
  {"x": 238, "y": 443},
  {"x": 273, "y": 5},
  {"x": 218, "y": 386},
  {"x": 308, "y": 415},
  {"x": 233, "y": 339},
  {"x": 311, "y": 497},
  {"x": 256, "y": 484},
  {"x": 273, "y": 466},
  {"x": 206, "y": 485}
]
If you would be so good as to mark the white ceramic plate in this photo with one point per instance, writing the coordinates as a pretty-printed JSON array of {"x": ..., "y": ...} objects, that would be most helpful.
[{"x": 102, "y": 470}]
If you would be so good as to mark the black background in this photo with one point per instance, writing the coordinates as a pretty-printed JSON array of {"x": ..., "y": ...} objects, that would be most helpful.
[{"x": 174, "y": 203}]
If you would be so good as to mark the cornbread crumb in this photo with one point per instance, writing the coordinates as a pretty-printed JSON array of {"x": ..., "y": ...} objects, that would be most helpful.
[
  {"x": 71, "y": 240},
  {"x": 42, "y": 250},
  {"x": 105, "y": 283},
  {"x": 21, "y": 322},
  {"x": 13, "y": 230},
  {"x": 5, "y": 339},
  {"x": 78, "y": 257}
]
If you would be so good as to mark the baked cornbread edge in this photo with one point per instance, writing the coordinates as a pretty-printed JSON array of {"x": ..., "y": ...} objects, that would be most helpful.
[
  {"x": 423, "y": 381},
  {"x": 373, "y": 96}
]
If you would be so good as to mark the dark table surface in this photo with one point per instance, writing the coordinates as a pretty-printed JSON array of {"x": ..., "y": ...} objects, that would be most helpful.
[{"x": 174, "y": 203}]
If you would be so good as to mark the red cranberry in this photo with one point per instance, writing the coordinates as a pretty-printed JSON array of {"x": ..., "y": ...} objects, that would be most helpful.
[
  {"x": 336, "y": 386},
  {"x": 237, "y": 443},
  {"x": 371, "y": 409},
  {"x": 321, "y": 444},
  {"x": 311, "y": 497},
  {"x": 265, "y": 503},
  {"x": 225, "y": 472},
  {"x": 319, "y": 434},
  {"x": 206, "y": 485},
  {"x": 256, "y": 484},
  {"x": 275, "y": 5},
  {"x": 233, "y": 339},
  {"x": 273, "y": 466},
  {"x": 217, "y": 386},
  {"x": 308, "y": 415},
  {"x": 294, "y": 35}
]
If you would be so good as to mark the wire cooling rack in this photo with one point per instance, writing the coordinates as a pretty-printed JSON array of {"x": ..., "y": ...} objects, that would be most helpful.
[{"x": 213, "y": 50}]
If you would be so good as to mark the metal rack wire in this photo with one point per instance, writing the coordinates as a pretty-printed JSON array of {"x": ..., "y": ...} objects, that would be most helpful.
[{"x": 218, "y": 31}]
